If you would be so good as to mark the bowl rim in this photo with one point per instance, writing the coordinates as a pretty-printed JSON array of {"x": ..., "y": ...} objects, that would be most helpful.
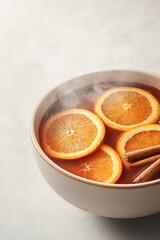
[{"x": 63, "y": 171}]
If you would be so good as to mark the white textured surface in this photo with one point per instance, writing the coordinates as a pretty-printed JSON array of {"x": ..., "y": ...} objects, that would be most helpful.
[{"x": 44, "y": 43}]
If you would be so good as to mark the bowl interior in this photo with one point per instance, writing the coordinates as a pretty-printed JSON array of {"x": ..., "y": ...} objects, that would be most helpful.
[{"x": 60, "y": 98}]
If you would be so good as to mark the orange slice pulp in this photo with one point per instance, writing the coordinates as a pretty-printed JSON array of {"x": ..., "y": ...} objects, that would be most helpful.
[
  {"x": 72, "y": 134},
  {"x": 103, "y": 166},
  {"x": 138, "y": 138},
  {"x": 123, "y": 108}
]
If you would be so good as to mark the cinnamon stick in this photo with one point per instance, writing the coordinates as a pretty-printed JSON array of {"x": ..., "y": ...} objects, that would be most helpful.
[
  {"x": 142, "y": 153},
  {"x": 148, "y": 173},
  {"x": 146, "y": 161}
]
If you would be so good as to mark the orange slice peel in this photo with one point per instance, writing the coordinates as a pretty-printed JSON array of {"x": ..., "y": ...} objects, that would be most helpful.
[
  {"x": 103, "y": 166},
  {"x": 72, "y": 134},
  {"x": 138, "y": 138},
  {"x": 123, "y": 108}
]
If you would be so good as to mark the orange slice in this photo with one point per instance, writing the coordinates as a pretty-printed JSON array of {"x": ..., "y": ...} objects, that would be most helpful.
[
  {"x": 138, "y": 138},
  {"x": 102, "y": 166},
  {"x": 72, "y": 134},
  {"x": 123, "y": 108}
]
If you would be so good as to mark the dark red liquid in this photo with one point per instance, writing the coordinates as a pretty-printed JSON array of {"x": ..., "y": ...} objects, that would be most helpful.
[{"x": 85, "y": 98}]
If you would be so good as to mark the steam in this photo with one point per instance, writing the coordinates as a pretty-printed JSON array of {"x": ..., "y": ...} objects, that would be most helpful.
[
  {"x": 83, "y": 97},
  {"x": 82, "y": 92}
]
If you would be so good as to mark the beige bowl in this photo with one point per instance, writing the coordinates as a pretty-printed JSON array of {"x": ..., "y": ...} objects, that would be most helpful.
[{"x": 110, "y": 200}]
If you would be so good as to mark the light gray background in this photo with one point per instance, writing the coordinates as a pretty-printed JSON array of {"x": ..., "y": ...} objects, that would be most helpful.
[{"x": 42, "y": 44}]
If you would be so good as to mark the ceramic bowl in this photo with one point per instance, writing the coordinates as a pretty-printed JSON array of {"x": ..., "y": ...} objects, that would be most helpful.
[{"x": 109, "y": 200}]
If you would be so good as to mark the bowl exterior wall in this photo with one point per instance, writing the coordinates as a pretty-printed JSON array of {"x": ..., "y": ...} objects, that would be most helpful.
[{"x": 102, "y": 201}]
